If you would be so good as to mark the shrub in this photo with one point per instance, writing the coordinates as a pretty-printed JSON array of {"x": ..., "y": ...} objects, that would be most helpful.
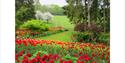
[
  {"x": 84, "y": 27},
  {"x": 105, "y": 38},
  {"x": 92, "y": 37},
  {"x": 18, "y": 23},
  {"x": 35, "y": 25},
  {"x": 80, "y": 27},
  {"x": 47, "y": 16},
  {"x": 83, "y": 36}
]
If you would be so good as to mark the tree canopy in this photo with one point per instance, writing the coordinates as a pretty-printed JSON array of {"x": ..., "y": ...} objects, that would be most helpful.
[
  {"x": 53, "y": 9},
  {"x": 24, "y": 10},
  {"x": 89, "y": 11}
]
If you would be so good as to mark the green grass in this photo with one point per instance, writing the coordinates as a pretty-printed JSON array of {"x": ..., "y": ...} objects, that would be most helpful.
[
  {"x": 63, "y": 36},
  {"x": 62, "y": 21}
]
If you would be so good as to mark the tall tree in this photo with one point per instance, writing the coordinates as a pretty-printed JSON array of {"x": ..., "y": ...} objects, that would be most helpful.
[
  {"x": 88, "y": 11},
  {"x": 24, "y": 10},
  {"x": 75, "y": 11},
  {"x": 89, "y": 3},
  {"x": 105, "y": 14}
]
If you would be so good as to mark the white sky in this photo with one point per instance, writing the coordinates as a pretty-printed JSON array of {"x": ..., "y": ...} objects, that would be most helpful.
[{"x": 57, "y": 2}]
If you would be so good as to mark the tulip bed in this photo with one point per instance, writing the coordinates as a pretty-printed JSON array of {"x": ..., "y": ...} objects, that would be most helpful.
[
  {"x": 49, "y": 51},
  {"x": 35, "y": 34}
]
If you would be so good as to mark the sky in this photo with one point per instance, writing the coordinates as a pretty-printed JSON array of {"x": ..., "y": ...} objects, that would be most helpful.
[{"x": 57, "y": 2}]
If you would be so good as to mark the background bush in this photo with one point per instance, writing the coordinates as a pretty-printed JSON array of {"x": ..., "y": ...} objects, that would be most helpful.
[
  {"x": 81, "y": 27},
  {"x": 92, "y": 37},
  {"x": 47, "y": 16},
  {"x": 83, "y": 36},
  {"x": 35, "y": 25},
  {"x": 105, "y": 38},
  {"x": 24, "y": 10},
  {"x": 18, "y": 23}
]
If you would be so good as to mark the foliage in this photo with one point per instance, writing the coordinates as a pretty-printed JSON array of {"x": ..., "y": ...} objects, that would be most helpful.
[
  {"x": 56, "y": 10},
  {"x": 24, "y": 10},
  {"x": 53, "y": 9},
  {"x": 104, "y": 37},
  {"x": 89, "y": 11},
  {"x": 84, "y": 27},
  {"x": 35, "y": 25},
  {"x": 74, "y": 10},
  {"x": 91, "y": 37},
  {"x": 83, "y": 36},
  {"x": 18, "y": 23}
]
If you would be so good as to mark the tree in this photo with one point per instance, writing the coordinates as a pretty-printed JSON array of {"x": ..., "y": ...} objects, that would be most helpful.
[
  {"x": 75, "y": 11},
  {"x": 88, "y": 12},
  {"x": 47, "y": 16},
  {"x": 53, "y": 9},
  {"x": 39, "y": 15},
  {"x": 37, "y": 5},
  {"x": 105, "y": 14},
  {"x": 89, "y": 3},
  {"x": 56, "y": 10},
  {"x": 24, "y": 10}
]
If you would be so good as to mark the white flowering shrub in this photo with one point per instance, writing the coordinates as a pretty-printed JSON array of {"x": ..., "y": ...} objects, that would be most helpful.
[
  {"x": 47, "y": 16},
  {"x": 39, "y": 15}
]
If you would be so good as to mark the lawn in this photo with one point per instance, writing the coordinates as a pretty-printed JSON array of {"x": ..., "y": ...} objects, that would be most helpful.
[
  {"x": 63, "y": 36},
  {"x": 61, "y": 21}
]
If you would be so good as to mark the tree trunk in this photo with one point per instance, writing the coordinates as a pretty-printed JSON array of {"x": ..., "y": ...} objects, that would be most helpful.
[
  {"x": 104, "y": 21},
  {"x": 89, "y": 17},
  {"x": 104, "y": 18},
  {"x": 89, "y": 6}
]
